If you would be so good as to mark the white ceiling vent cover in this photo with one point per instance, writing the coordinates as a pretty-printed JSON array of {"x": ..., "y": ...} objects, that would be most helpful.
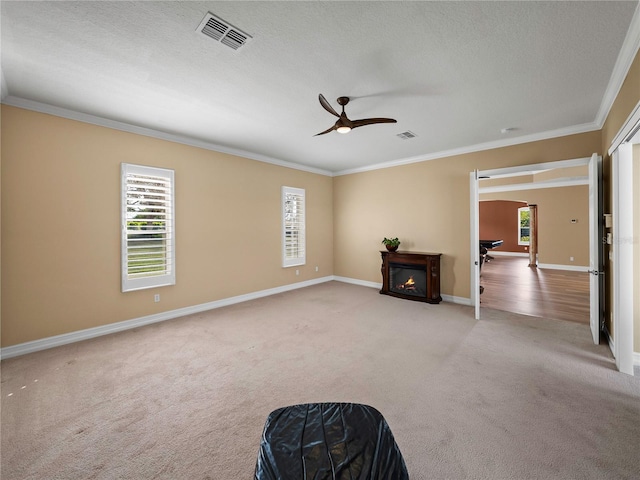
[
  {"x": 407, "y": 135},
  {"x": 223, "y": 32}
]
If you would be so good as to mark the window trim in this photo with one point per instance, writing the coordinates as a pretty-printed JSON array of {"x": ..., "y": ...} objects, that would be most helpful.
[
  {"x": 290, "y": 261},
  {"x": 169, "y": 277},
  {"x": 520, "y": 241}
]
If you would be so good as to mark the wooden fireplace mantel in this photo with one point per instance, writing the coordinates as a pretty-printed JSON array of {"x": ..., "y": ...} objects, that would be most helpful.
[{"x": 430, "y": 261}]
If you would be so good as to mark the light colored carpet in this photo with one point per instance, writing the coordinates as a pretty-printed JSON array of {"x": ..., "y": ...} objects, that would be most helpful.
[{"x": 508, "y": 397}]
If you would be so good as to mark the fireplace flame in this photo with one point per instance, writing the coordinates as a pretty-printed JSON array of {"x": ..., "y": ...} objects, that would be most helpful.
[{"x": 408, "y": 285}]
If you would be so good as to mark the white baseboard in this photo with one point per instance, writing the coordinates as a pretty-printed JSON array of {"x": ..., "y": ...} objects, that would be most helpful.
[
  {"x": 355, "y": 281},
  {"x": 550, "y": 266},
  {"x": 457, "y": 300},
  {"x": 573, "y": 268},
  {"x": 64, "y": 339},
  {"x": 636, "y": 359},
  {"x": 364, "y": 283},
  {"x": 498, "y": 253}
]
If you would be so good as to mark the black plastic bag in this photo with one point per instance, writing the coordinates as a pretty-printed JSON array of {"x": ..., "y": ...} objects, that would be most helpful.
[{"x": 328, "y": 441}]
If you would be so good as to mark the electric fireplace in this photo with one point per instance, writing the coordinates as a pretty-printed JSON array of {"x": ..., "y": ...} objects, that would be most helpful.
[
  {"x": 408, "y": 279},
  {"x": 411, "y": 275}
]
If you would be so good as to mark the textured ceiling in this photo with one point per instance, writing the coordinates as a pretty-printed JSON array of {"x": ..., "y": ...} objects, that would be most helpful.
[{"x": 453, "y": 73}]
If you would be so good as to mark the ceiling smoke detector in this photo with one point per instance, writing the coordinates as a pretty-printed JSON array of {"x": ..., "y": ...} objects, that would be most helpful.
[
  {"x": 223, "y": 32},
  {"x": 406, "y": 135}
]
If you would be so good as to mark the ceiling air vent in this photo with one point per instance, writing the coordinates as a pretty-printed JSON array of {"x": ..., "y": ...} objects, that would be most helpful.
[
  {"x": 223, "y": 32},
  {"x": 406, "y": 135}
]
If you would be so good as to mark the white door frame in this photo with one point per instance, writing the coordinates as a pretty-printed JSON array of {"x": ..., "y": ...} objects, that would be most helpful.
[
  {"x": 622, "y": 251},
  {"x": 596, "y": 266},
  {"x": 622, "y": 239},
  {"x": 475, "y": 243},
  {"x": 474, "y": 192}
]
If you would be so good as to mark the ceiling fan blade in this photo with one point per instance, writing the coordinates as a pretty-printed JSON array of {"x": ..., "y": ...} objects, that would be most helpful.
[
  {"x": 371, "y": 121},
  {"x": 326, "y": 131},
  {"x": 327, "y": 106}
]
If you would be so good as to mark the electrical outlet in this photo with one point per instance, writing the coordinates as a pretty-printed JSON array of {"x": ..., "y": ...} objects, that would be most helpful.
[
  {"x": 316, "y": 268},
  {"x": 156, "y": 297},
  {"x": 297, "y": 272},
  {"x": 571, "y": 259}
]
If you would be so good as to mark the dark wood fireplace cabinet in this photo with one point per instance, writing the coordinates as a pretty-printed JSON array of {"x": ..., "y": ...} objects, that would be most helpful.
[{"x": 411, "y": 275}]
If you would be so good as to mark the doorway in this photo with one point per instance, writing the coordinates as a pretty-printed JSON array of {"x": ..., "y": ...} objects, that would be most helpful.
[
  {"x": 509, "y": 277},
  {"x": 549, "y": 175}
]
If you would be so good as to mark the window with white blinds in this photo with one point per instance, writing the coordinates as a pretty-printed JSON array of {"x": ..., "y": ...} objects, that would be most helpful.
[
  {"x": 293, "y": 227},
  {"x": 148, "y": 244},
  {"x": 523, "y": 225}
]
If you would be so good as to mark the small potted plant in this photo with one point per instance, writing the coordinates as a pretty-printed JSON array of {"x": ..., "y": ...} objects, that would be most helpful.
[{"x": 391, "y": 243}]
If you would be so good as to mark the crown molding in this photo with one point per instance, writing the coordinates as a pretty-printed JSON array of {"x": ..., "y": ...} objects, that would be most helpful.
[
  {"x": 534, "y": 137},
  {"x": 629, "y": 128},
  {"x": 625, "y": 58},
  {"x": 126, "y": 127},
  {"x": 149, "y": 132},
  {"x": 627, "y": 54}
]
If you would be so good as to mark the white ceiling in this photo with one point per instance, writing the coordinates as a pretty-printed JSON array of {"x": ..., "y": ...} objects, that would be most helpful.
[{"x": 453, "y": 73}]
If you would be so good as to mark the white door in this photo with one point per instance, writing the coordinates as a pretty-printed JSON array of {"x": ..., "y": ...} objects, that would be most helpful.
[
  {"x": 622, "y": 215},
  {"x": 594, "y": 246},
  {"x": 475, "y": 243}
]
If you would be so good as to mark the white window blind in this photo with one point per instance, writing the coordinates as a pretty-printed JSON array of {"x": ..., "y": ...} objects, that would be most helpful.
[
  {"x": 293, "y": 226},
  {"x": 148, "y": 245}
]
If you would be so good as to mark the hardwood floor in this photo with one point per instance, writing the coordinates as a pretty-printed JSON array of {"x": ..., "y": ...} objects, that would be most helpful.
[{"x": 510, "y": 285}]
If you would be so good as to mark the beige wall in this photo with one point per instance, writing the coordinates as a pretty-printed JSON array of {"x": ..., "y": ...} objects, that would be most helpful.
[
  {"x": 426, "y": 205},
  {"x": 625, "y": 102},
  {"x": 61, "y": 225},
  {"x": 558, "y": 238}
]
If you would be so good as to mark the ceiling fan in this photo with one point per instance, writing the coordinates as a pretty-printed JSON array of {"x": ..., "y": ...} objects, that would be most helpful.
[{"x": 344, "y": 125}]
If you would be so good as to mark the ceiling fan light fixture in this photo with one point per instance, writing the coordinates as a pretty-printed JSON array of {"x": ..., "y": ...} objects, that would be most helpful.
[{"x": 344, "y": 125}]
